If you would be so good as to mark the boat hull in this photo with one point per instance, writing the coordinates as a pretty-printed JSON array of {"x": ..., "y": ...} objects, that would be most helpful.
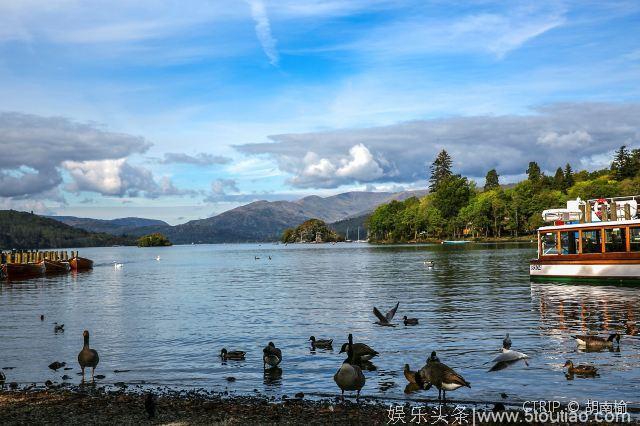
[
  {"x": 627, "y": 271},
  {"x": 18, "y": 271},
  {"x": 55, "y": 267},
  {"x": 80, "y": 263}
]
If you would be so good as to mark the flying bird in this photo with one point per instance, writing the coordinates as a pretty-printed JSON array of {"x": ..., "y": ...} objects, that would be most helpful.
[{"x": 385, "y": 319}]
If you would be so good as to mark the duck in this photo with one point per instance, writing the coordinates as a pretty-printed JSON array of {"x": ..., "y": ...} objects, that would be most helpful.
[
  {"x": 232, "y": 355},
  {"x": 506, "y": 342},
  {"x": 88, "y": 357},
  {"x": 412, "y": 376},
  {"x": 409, "y": 321},
  {"x": 321, "y": 343},
  {"x": 349, "y": 376},
  {"x": 58, "y": 328},
  {"x": 385, "y": 319},
  {"x": 361, "y": 351},
  {"x": 56, "y": 365},
  {"x": 271, "y": 355},
  {"x": 256, "y": 258},
  {"x": 41, "y": 317},
  {"x": 443, "y": 377},
  {"x": 589, "y": 341},
  {"x": 581, "y": 369}
]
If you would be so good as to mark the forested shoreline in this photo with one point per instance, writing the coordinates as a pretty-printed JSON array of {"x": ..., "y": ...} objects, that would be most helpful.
[{"x": 455, "y": 207}]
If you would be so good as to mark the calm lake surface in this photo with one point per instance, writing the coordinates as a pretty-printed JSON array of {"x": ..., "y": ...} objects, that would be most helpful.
[{"x": 167, "y": 320}]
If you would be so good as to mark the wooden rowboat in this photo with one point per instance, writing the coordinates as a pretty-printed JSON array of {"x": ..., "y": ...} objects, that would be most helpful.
[
  {"x": 80, "y": 263},
  {"x": 17, "y": 271},
  {"x": 56, "y": 267}
]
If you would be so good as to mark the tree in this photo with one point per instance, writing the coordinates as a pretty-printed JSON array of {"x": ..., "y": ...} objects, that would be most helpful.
[
  {"x": 568, "y": 177},
  {"x": 558, "y": 180},
  {"x": 492, "y": 180},
  {"x": 153, "y": 240},
  {"x": 635, "y": 161},
  {"x": 440, "y": 170},
  {"x": 622, "y": 165},
  {"x": 533, "y": 172}
]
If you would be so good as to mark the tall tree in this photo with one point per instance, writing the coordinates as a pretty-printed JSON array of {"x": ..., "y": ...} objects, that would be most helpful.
[
  {"x": 622, "y": 166},
  {"x": 635, "y": 161},
  {"x": 558, "y": 180},
  {"x": 533, "y": 172},
  {"x": 492, "y": 180},
  {"x": 440, "y": 170},
  {"x": 568, "y": 177}
]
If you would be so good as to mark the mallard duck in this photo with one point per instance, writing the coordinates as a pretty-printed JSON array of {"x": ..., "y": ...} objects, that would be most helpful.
[
  {"x": 441, "y": 376},
  {"x": 232, "y": 355},
  {"x": 361, "y": 351},
  {"x": 349, "y": 376},
  {"x": 583, "y": 370},
  {"x": 385, "y": 319},
  {"x": 590, "y": 341},
  {"x": 321, "y": 343},
  {"x": 271, "y": 355},
  {"x": 506, "y": 342},
  {"x": 409, "y": 321},
  {"x": 88, "y": 357}
]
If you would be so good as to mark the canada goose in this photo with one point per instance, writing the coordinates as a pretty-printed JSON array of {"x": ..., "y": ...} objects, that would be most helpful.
[
  {"x": 441, "y": 376},
  {"x": 412, "y": 376},
  {"x": 58, "y": 328},
  {"x": 433, "y": 357},
  {"x": 361, "y": 351},
  {"x": 271, "y": 355},
  {"x": 321, "y": 343},
  {"x": 581, "y": 370},
  {"x": 232, "y": 355},
  {"x": 506, "y": 342},
  {"x": 385, "y": 319},
  {"x": 150, "y": 405},
  {"x": 88, "y": 357},
  {"x": 597, "y": 341},
  {"x": 349, "y": 376},
  {"x": 409, "y": 321}
]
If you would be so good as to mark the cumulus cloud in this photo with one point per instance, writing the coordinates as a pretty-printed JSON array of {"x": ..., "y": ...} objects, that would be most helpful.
[
  {"x": 200, "y": 159},
  {"x": 263, "y": 30},
  {"x": 34, "y": 148},
  {"x": 551, "y": 134},
  {"x": 220, "y": 186}
]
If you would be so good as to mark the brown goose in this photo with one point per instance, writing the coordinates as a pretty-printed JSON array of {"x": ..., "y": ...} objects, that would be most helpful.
[
  {"x": 88, "y": 357},
  {"x": 581, "y": 370},
  {"x": 412, "y": 376},
  {"x": 361, "y": 351},
  {"x": 232, "y": 355},
  {"x": 441, "y": 376},
  {"x": 589, "y": 341},
  {"x": 349, "y": 376},
  {"x": 321, "y": 343}
]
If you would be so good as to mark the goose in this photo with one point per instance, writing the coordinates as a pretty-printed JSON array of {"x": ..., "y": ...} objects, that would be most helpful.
[
  {"x": 412, "y": 376},
  {"x": 349, "y": 376},
  {"x": 409, "y": 321},
  {"x": 597, "y": 341},
  {"x": 361, "y": 351},
  {"x": 117, "y": 265},
  {"x": 385, "y": 319},
  {"x": 441, "y": 376},
  {"x": 271, "y": 355},
  {"x": 506, "y": 342},
  {"x": 321, "y": 343},
  {"x": 88, "y": 357},
  {"x": 232, "y": 355},
  {"x": 433, "y": 357},
  {"x": 582, "y": 370},
  {"x": 58, "y": 328}
]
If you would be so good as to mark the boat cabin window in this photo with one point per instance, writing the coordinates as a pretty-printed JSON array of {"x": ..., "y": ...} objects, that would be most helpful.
[
  {"x": 569, "y": 242},
  {"x": 549, "y": 244},
  {"x": 634, "y": 238},
  {"x": 615, "y": 240},
  {"x": 591, "y": 242}
]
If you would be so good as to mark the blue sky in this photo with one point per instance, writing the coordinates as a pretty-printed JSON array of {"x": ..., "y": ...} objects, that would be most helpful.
[{"x": 180, "y": 110}]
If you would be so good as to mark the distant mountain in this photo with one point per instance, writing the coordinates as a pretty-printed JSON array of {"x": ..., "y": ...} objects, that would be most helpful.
[
  {"x": 266, "y": 220},
  {"x": 121, "y": 226},
  {"x": 21, "y": 230}
]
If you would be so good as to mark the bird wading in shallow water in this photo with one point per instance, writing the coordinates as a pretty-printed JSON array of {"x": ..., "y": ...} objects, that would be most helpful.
[
  {"x": 88, "y": 357},
  {"x": 271, "y": 355},
  {"x": 441, "y": 376},
  {"x": 349, "y": 376}
]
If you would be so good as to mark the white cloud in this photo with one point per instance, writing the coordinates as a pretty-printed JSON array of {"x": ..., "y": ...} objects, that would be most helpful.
[
  {"x": 571, "y": 139},
  {"x": 361, "y": 166},
  {"x": 263, "y": 30}
]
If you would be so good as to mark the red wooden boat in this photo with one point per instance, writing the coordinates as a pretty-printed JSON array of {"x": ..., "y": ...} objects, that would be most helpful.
[
  {"x": 80, "y": 263},
  {"x": 56, "y": 267},
  {"x": 17, "y": 271}
]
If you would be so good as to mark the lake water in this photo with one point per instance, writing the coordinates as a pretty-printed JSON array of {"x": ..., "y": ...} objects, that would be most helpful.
[{"x": 167, "y": 320}]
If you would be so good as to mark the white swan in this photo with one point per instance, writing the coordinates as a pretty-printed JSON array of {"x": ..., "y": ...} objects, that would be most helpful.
[
  {"x": 158, "y": 258},
  {"x": 117, "y": 265}
]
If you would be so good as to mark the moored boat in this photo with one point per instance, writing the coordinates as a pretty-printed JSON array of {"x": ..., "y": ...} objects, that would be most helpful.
[
  {"x": 590, "y": 240},
  {"x": 455, "y": 242},
  {"x": 17, "y": 271},
  {"x": 80, "y": 263},
  {"x": 56, "y": 267}
]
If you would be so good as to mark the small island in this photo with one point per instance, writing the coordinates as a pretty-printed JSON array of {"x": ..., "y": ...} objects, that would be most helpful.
[
  {"x": 311, "y": 231},
  {"x": 154, "y": 240}
]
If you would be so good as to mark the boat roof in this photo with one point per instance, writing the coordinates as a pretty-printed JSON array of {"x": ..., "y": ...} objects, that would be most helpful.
[{"x": 590, "y": 225}]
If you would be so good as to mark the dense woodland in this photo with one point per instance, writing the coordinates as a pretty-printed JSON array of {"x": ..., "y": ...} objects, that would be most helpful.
[
  {"x": 154, "y": 240},
  {"x": 21, "y": 230},
  {"x": 311, "y": 231},
  {"x": 455, "y": 207}
]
